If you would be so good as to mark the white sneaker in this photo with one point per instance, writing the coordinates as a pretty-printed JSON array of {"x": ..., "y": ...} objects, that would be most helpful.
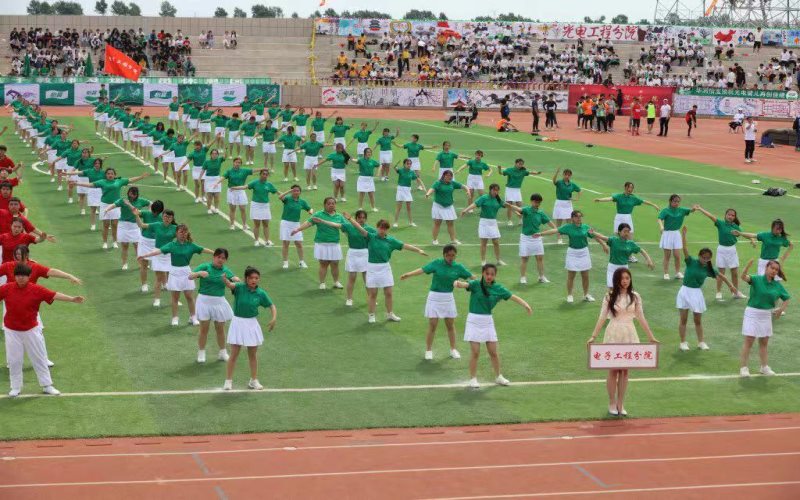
[
  {"x": 666, "y": 276},
  {"x": 744, "y": 371},
  {"x": 543, "y": 279},
  {"x": 678, "y": 276},
  {"x": 632, "y": 259},
  {"x": 338, "y": 285},
  {"x": 210, "y": 212},
  {"x": 296, "y": 179},
  {"x": 157, "y": 303},
  {"x": 145, "y": 288},
  {"x": 13, "y": 393},
  {"x": 55, "y": 392},
  {"x": 269, "y": 243},
  {"x": 412, "y": 224},
  {"x": 255, "y": 384},
  {"x": 473, "y": 384},
  {"x": 316, "y": 187},
  {"x": 455, "y": 354},
  {"x": 201, "y": 356},
  {"x": 370, "y": 318},
  {"x": 194, "y": 321},
  {"x": 766, "y": 370},
  {"x": 510, "y": 223},
  {"x": 83, "y": 211},
  {"x": 392, "y": 317},
  {"x": 52, "y": 179},
  {"x": 233, "y": 227},
  {"x": 93, "y": 228},
  {"x": 175, "y": 321},
  {"x": 125, "y": 266},
  {"x": 435, "y": 242},
  {"x": 420, "y": 188},
  {"x": 703, "y": 346},
  {"x": 374, "y": 209},
  {"x": 285, "y": 264},
  {"x": 348, "y": 302},
  {"x": 228, "y": 385},
  {"x": 683, "y": 346},
  {"x": 114, "y": 245},
  {"x": 501, "y": 263},
  {"x": 50, "y": 364},
  {"x": 501, "y": 380},
  {"x": 588, "y": 298},
  {"x": 105, "y": 246},
  {"x": 303, "y": 265},
  {"x": 343, "y": 199},
  {"x": 739, "y": 295},
  {"x": 322, "y": 286},
  {"x": 523, "y": 280},
  {"x": 395, "y": 225},
  {"x": 257, "y": 243},
  {"x": 718, "y": 296},
  {"x": 60, "y": 188},
  {"x": 222, "y": 355},
  {"x": 285, "y": 179},
  {"x": 570, "y": 299},
  {"x": 560, "y": 241},
  {"x": 428, "y": 355},
  {"x": 456, "y": 242},
  {"x": 483, "y": 263}
]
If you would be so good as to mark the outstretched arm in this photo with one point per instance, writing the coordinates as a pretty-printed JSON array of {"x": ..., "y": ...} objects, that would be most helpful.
[
  {"x": 519, "y": 300},
  {"x": 355, "y": 224},
  {"x": 650, "y": 203},
  {"x": 415, "y": 272},
  {"x": 69, "y": 298},
  {"x": 603, "y": 200},
  {"x": 706, "y": 213},
  {"x": 302, "y": 227},
  {"x": 56, "y": 273},
  {"x": 138, "y": 177},
  {"x": 413, "y": 248},
  {"x": 647, "y": 258},
  {"x": 685, "y": 244}
]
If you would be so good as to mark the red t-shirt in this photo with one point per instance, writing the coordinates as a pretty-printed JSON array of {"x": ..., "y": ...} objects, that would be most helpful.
[
  {"x": 14, "y": 181},
  {"x": 22, "y": 305},
  {"x": 4, "y": 204},
  {"x": 691, "y": 116},
  {"x": 37, "y": 270},
  {"x": 636, "y": 112},
  {"x": 9, "y": 242},
  {"x": 5, "y": 222},
  {"x": 6, "y": 163}
]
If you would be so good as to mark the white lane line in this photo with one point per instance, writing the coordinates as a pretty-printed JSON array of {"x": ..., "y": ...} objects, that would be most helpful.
[
  {"x": 599, "y": 157},
  {"x": 162, "y": 481},
  {"x": 628, "y": 490},
  {"x": 458, "y": 385},
  {"x": 299, "y": 447}
]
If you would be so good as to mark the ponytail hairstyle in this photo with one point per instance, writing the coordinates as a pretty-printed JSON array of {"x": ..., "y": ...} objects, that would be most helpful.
[
  {"x": 779, "y": 223},
  {"x": 169, "y": 213},
  {"x": 23, "y": 251},
  {"x": 735, "y": 215},
  {"x": 499, "y": 200},
  {"x": 483, "y": 283},
  {"x": 249, "y": 271},
  {"x": 157, "y": 207},
  {"x": 707, "y": 251},
  {"x": 777, "y": 263},
  {"x": 188, "y": 233},
  {"x": 616, "y": 290}
]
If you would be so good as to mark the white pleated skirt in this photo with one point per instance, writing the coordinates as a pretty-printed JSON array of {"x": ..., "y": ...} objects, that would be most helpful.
[
  {"x": 578, "y": 259},
  {"x": 146, "y": 245},
  {"x": 487, "y": 229},
  {"x": 260, "y": 211},
  {"x": 338, "y": 174},
  {"x": 379, "y": 275},
  {"x": 671, "y": 240},
  {"x": 403, "y": 194},
  {"x": 128, "y": 232},
  {"x": 440, "y": 305},
  {"x": 286, "y": 229},
  {"x": 757, "y": 323},
  {"x": 289, "y": 156},
  {"x": 112, "y": 214},
  {"x": 513, "y": 194},
  {"x": 310, "y": 162},
  {"x": 475, "y": 181},
  {"x": 622, "y": 218},
  {"x": 93, "y": 196},
  {"x": 328, "y": 251},
  {"x": 384, "y": 156},
  {"x": 528, "y": 245},
  {"x": 161, "y": 263},
  {"x": 245, "y": 332},
  {"x": 365, "y": 184},
  {"x": 439, "y": 212},
  {"x": 727, "y": 257},
  {"x": 236, "y": 197},
  {"x": 210, "y": 308},
  {"x": 691, "y": 299},
  {"x": 178, "y": 280},
  {"x": 210, "y": 184},
  {"x": 480, "y": 328},
  {"x": 562, "y": 210},
  {"x": 356, "y": 261}
]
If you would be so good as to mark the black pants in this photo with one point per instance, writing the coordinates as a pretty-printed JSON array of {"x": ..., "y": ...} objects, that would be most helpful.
[
  {"x": 550, "y": 119},
  {"x": 749, "y": 149},
  {"x": 689, "y": 132},
  {"x": 602, "y": 123},
  {"x": 535, "y": 121},
  {"x": 664, "y": 126},
  {"x": 610, "y": 119}
]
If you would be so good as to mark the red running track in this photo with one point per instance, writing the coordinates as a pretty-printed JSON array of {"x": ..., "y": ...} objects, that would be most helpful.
[{"x": 687, "y": 458}]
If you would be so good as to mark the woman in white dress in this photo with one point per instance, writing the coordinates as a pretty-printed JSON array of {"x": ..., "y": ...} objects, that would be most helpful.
[{"x": 621, "y": 306}]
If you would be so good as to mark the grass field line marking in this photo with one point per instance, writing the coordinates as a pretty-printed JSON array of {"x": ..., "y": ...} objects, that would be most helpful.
[
  {"x": 376, "y": 472},
  {"x": 367, "y": 388},
  {"x": 627, "y": 490},
  {"x": 636, "y": 164},
  {"x": 556, "y": 438}
]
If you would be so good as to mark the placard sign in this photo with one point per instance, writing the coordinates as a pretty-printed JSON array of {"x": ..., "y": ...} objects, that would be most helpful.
[{"x": 623, "y": 356}]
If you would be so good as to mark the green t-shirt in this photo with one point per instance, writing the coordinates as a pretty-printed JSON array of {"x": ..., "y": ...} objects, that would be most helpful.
[
  {"x": 301, "y": 120},
  {"x": 94, "y": 174},
  {"x": 578, "y": 235},
  {"x": 362, "y": 136},
  {"x": 515, "y": 176},
  {"x": 180, "y": 149},
  {"x": 724, "y": 228},
  {"x": 696, "y": 273},
  {"x": 205, "y": 115},
  {"x": 73, "y": 155},
  {"x": 290, "y": 141},
  {"x": 237, "y": 176},
  {"x": 234, "y": 124},
  {"x": 489, "y": 206},
  {"x": 445, "y": 274},
  {"x": 198, "y": 156},
  {"x": 268, "y": 134},
  {"x": 366, "y": 167},
  {"x": 174, "y": 106},
  {"x": 181, "y": 253},
  {"x": 380, "y": 249},
  {"x": 110, "y": 189},
  {"x": 249, "y": 128},
  {"x": 220, "y": 120},
  {"x": 476, "y": 167},
  {"x": 626, "y": 203},
  {"x": 532, "y": 220},
  {"x": 149, "y": 217},
  {"x": 356, "y": 240},
  {"x": 213, "y": 166},
  {"x": 186, "y": 107},
  {"x": 326, "y": 233},
  {"x": 292, "y": 208},
  {"x": 213, "y": 286},
  {"x": 318, "y": 124},
  {"x": 620, "y": 250},
  {"x": 246, "y": 106},
  {"x": 312, "y": 148},
  {"x": 246, "y": 301},
  {"x": 62, "y": 146},
  {"x": 194, "y": 113},
  {"x": 483, "y": 303},
  {"x": 446, "y": 159},
  {"x": 413, "y": 149},
  {"x": 258, "y": 108},
  {"x": 443, "y": 193},
  {"x": 673, "y": 217},
  {"x": 261, "y": 190},
  {"x": 564, "y": 191},
  {"x": 340, "y": 130},
  {"x": 385, "y": 142},
  {"x": 337, "y": 160},
  {"x": 286, "y": 115},
  {"x": 125, "y": 212},
  {"x": 273, "y": 112},
  {"x": 405, "y": 176},
  {"x": 764, "y": 294},
  {"x": 164, "y": 233},
  {"x": 771, "y": 244},
  {"x": 167, "y": 141}
]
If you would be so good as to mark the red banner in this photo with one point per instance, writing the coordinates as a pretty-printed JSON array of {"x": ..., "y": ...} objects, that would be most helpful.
[
  {"x": 628, "y": 93},
  {"x": 117, "y": 63}
]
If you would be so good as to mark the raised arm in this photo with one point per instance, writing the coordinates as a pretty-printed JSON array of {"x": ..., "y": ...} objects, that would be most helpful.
[
  {"x": 746, "y": 271},
  {"x": 228, "y": 283},
  {"x": 685, "y": 244},
  {"x": 355, "y": 224},
  {"x": 138, "y": 177},
  {"x": 555, "y": 175},
  {"x": 706, "y": 213},
  {"x": 413, "y": 248}
]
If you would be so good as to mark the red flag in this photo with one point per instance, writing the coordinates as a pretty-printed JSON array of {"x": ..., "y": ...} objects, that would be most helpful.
[{"x": 119, "y": 64}]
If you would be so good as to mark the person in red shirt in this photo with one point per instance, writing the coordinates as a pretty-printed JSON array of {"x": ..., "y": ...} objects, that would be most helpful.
[
  {"x": 14, "y": 181},
  {"x": 6, "y": 163},
  {"x": 21, "y": 326},
  {"x": 691, "y": 120},
  {"x": 6, "y": 195},
  {"x": 7, "y": 217},
  {"x": 18, "y": 236},
  {"x": 636, "y": 116}
]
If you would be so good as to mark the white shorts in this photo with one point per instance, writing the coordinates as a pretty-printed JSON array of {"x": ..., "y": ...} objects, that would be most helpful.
[
  {"x": 439, "y": 212},
  {"x": 118, "y": 126},
  {"x": 172, "y": 116},
  {"x": 528, "y": 245},
  {"x": 219, "y": 131},
  {"x": 192, "y": 123},
  {"x": 339, "y": 140},
  {"x": 671, "y": 240},
  {"x": 612, "y": 268},
  {"x": 622, "y": 218},
  {"x": 236, "y": 197},
  {"x": 360, "y": 147},
  {"x": 474, "y": 181},
  {"x": 146, "y": 141},
  {"x": 146, "y": 245},
  {"x": 513, "y": 194},
  {"x": 757, "y": 322},
  {"x": 161, "y": 263},
  {"x": 210, "y": 184},
  {"x": 96, "y": 116},
  {"x": 259, "y": 118},
  {"x": 104, "y": 118},
  {"x": 260, "y": 211},
  {"x": 562, "y": 210},
  {"x": 379, "y": 275},
  {"x": 578, "y": 259},
  {"x": 415, "y": 165},
  {"x": 82, "y": 189},
  {"x": 385, "y": 157},
  {"x": 276, "y": 123},
  {"x": 62, "y": 164},
  {"x": 197, "y": 172},
  {"x": 365, "y": 184},
  {"x": 692, "y": 299},
  {"x": 301, "y": 131},
  {"x": 128, "y": 232},
  {"x": 51, "y": 155},
  {"x": 245, "y": 332},
  {"x": 93, "y": 196},
  {"x": 328, "y": 251},
  {"x": 488, "y": 230},
  {"x": 112, "y": 214},
  {"x": 234, "y": 136},
  {"x": 211, "y": 308},
  {"x": 250, "y": 141},
  {"x": 286, "y": 229},
  {"x": 356, "y": 261},
  {"x": 310, "y": 162},
  {"x": 178, "y": 280},
  {"x": 289, "y": 156},
  {"x": 127, "y": 134},
  {"x": 440, "y": 305},
  {"x": 320, "y": 136},
  {"x": 177, "y": 164},
  {"x": 40, "y": 142},
  {"x": 268, "y": 147},
  {"x": 338, "y": 174},
  {"x": 204, "y": 127},
  {"x": 184, "y": 117},
  {"x": 727, "y": 257},
  {"x": 168, "y": 157},
  {"x": 403, "y": 194},
  {"x": 480, "y": 328}
]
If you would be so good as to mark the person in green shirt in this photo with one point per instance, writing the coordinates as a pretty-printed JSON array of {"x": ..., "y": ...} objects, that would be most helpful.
[
  {"x": 385, "y": 143},
  {"x": 620, "y": 248},
  {"x": 765, "y": 292},
  {"x": 274, "y": 113},
  {"x": 89, "y": 171},
  {"x": 75, "y": 174},
  {"x": 147, "y": 239},
  {"x": 180, "y": 161},
  {"x": 727, "y": 257},
  {"x": 476, "y": 170},
  {"x": 366, "y": 178},
  {"x": 127, "y": 231},
  {"x": 339, "y": 130},
  {"x": 445, "y": 159},
  {"x": 562, "y": 210},
  {"x": 361, "y": 138},
  {"x": 289, "y": 157},
  {"x": 234, "y": 134},
  {"x": 484, "y": 296},
  {"x": 268, "y": 138},
  {"x": 300, "y": 120},
  {"x": 99, "y": 109},
  {"x": 172, "y": 116},
  {"x": 246, "y": 106},
  {"x": 197, "y": 157},
  {"x": 625, "y": 203},
  {"x": 211, "y": 303},
  {"x": 67, "y": 154},
  {"x": 515, "y": 175},
  {"x": 405, "y": 176},
  {"x": 489, "y": 204},
  {"x": 441, "y": 303},
  {"x": 293, "y": 205},
  {"x": 771, "y": 243},
  {"x": 578, "y": 259},
  {"x": 212, "y": 169},
  {"x": 259, "y": 208},
  {"x": 220, "y": 122},
  {"x": 442, "y": 208},
  {"x": 245, "y": 330},
  {"x": 249, "y": 139},
  {"x": 670, "y": 221},
  {"x": 286, "y": 116},
  {"x": 338, "y": 159},
  {"x": 157, "y": 225},
  {"x": 532, "y": 219},
  {"x": 327, "y": 249},
  {"x": 318, "y": 124},
  {"x": 413, "y": 149},
  {"x": 237, "y": 177},
  {"x": 204, "y": 123},
  {"x": 311, "y": 148}
]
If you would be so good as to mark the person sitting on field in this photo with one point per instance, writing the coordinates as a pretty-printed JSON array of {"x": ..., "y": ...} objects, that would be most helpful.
[{"x": 506, "y": 126}]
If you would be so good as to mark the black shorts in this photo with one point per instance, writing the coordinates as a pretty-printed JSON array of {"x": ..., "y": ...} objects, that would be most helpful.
[
  {"x": 651, "y": 121},
  {"x": 756, "y": 45},
  {"x": 636, "y": 121}
]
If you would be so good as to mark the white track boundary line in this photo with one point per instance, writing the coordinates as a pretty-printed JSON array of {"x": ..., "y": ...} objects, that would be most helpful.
[
  {"x": 557, "y": 438},
  {"x": 626, "y": 162},
  {"x": 163, "y": 481},
  {"x": 458, "y": 385}
]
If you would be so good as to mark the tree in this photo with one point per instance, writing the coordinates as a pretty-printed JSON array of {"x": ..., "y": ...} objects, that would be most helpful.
[
  {"x": 599, "y": 20},
  {"x": 316, "y": 13},
  {"x": 483, "y": 19},
  {"x": 167, "y": 10},
  {"x": 220, "y": 12},
  {"x": 261, "y": 10},
  {"x": 367, "y": 14},
  {"x": 134, "y": 10},
  {"x": 511, "y": 17},
  {"x": 419, "y": 15},
  {"x": 101, "y": 7},
  {"x": 295, "y": 15},
  {"x": 36, "y": 8},
  {"x": 619, "y": 19},
  {"x": 442, "y": 16},
  {"x": 330, "y": 13},
  {"x": 118, "y": 8},
  {"x": 68, "y": 8},
  {"x": 237, "y": 12},
  {"x": 644, "y": 22}
]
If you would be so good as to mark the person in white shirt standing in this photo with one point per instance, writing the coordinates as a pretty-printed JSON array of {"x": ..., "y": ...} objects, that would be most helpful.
[
  {"x": 758, "y": 36},
  {"x": 750, "y": 129},
  {"x": 664, "y": 114}
]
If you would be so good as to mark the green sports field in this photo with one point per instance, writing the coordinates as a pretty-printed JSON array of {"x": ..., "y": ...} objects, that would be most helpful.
[{"x": 119, "y": 345}]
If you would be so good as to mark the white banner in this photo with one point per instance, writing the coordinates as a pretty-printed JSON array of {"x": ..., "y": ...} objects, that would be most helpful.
[
  {"x": 518, "y": 99},
  {"x": 29, "y": 91},
  {"x": 223, "y": 94},
  {"x": 727, "y": 106},
  {"x": 86, "y": 94},
  {"x": 382, "y": 97},
  {"x": 623, "y": 356},
  {"x": 159, "y": 94}
]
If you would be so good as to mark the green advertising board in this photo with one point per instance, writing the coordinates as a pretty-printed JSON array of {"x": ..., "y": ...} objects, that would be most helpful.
[
  {"x": 196, "y": 93},
  {"x": 261, "y": 91},
  {"x": 126, "y": 93},
  {"x": 56, "y": 94}
]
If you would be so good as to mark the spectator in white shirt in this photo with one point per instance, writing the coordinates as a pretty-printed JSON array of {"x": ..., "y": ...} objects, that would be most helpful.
[
  {"x": 664, "y": 114},
  {"x": 750, "y": 129}
]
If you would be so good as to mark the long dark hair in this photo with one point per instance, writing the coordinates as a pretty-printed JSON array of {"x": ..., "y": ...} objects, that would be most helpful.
[
  {"x": 708, "y": 251},
  {"x": 157, "y": 207},
  {"x": 735, "y": 215},
  {"x": 780, "y": 267},
  {"x": 483, "y": 283},
  {"x": 779, "y": 222},
  {"x": 616, "y": 290},
  {"x": 499, "y": 200}
]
